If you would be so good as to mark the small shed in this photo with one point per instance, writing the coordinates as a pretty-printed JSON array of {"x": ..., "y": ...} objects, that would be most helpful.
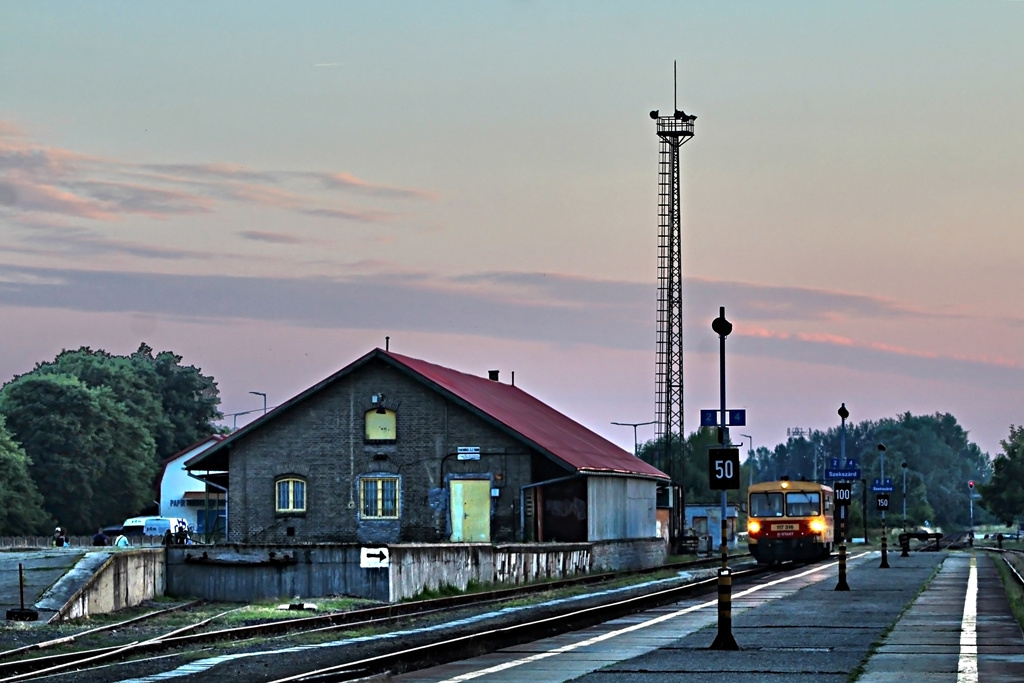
[{"x": 704, "y": 522}]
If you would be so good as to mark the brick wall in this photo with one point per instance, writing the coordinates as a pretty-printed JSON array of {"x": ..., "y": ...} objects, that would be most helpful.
[
  {"x": 628, "y": 554},
  {"x": 321, "y": 440}
]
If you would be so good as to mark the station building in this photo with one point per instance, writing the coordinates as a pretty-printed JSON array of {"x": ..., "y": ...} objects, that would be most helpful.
[{"x": 391, "y": 449}]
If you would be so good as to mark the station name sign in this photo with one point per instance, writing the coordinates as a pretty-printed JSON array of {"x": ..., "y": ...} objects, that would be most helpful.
[{"x": 467, "y": 452}]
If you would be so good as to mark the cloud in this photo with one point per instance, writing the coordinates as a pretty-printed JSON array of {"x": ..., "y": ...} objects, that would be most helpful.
[
  {"x": 36, "y": 180},
  {"x": 272, "y": 237},
  {"x": 359, "y": 216},
  {"x": 30, "y": 196},
  {"x": 755, "y": 302},
  {"x": 8, "y": 194},
  {"x": 351, "y": 182},
  {"x": 512, "y": 306},
  {"x": 79, "y": 242}
]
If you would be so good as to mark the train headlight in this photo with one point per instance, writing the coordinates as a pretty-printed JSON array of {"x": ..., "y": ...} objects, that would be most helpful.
[
  {"x": 753, "y": 526},
  {"x": 817, "y": 526}
]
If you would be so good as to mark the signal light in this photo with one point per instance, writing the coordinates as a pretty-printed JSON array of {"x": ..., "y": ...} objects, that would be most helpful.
[{"x": 970, "y": 484}]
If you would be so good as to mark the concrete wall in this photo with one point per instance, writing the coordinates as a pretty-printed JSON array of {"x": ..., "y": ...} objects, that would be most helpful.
[
  {"x": 236, "y": 573},
  {"x": 125, "y": 579}
]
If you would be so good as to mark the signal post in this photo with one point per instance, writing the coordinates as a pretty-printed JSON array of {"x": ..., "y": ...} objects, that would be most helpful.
[
  {"x": 843, "y": 492},
  {"x": 723, "y": 475}
]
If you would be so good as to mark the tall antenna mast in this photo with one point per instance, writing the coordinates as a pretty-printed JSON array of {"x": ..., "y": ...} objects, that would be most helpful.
[{"x": 674, "y": 131}]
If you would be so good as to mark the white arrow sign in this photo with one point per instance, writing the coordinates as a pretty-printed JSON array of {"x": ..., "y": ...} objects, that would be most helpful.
[{"x": 373, "y": 558}]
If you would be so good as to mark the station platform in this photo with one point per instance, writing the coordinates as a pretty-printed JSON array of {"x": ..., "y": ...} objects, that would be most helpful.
[
  {"x": 928, "y": 618},
  {"x": 52, "y": 577}
]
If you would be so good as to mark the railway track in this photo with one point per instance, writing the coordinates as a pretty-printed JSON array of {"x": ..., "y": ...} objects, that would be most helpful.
[
  {"x": 466, "y": 646},
  {"x": 1011, "y": 565},
  {"x": 15, "y": 666}
]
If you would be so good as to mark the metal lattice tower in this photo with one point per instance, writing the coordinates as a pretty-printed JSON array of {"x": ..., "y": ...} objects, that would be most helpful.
[{"x": 674, "y": 131}]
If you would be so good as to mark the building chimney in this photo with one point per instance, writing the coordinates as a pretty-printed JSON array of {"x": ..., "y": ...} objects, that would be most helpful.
[{"x": 493, "y": 375}]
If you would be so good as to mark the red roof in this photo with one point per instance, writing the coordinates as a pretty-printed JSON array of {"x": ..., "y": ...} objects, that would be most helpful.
[
  {"x": 509, "y": 407},
  {"x": 535, "y": 421}
]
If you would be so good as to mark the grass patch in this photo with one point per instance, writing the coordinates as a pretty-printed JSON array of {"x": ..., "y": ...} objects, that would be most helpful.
[
  {"x": 448, "y": 590},
  {"x": 1014, "y": 591},
  {"x": 268, "y": 611}
]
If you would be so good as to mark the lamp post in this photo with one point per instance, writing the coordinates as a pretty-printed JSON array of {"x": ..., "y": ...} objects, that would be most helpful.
[
  {"x": 724, "y": 640},
  {"x": 881, "y": 468},
  {"x": 843, "y": 510},
  {"x": 904, "y": 497},
  {"x": 750, "y": 460},
  {"x": 634, "y": 425},
  {"x": 260, "y": 393}
]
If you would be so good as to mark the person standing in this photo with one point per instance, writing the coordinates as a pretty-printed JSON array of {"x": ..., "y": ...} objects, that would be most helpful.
[
  {"x": 100, "y": 538},
  {"x": 60, "y": 540}
]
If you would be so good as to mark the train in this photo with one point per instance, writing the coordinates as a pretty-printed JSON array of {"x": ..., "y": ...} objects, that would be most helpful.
[{"x": 790, "y": 521}]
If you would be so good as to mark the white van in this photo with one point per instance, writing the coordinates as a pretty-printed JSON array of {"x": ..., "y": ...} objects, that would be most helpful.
[{"x": 152, "y": 526}]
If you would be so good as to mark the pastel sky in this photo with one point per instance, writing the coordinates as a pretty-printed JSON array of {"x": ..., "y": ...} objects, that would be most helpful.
[{"x": 270, "y": 189}]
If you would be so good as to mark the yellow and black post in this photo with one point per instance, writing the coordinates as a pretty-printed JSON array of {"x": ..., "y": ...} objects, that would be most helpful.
[
  {"x": 724, "y": 639},
  {"x": 885, "y": 554},
  {"x": 882, "y": 502},
  {"x": 842, "y": 494},
  {"x": 841, "y": 585}
]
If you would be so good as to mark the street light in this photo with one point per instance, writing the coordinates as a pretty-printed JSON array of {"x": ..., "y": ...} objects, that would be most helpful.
[
  {"x": 904, "y": 466},
  {"x": 842, "y": 585},
  {"x": 634, "y": 425},
  {"x": 750, "y": 459},
  {"x": 260, "y": 393}
]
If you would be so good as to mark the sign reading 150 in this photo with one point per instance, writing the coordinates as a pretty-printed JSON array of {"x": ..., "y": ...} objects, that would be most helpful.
[{"x": 724, "y": 468}]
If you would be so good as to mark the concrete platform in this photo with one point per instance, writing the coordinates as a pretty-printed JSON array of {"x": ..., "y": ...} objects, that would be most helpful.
[
  {"x": 794, "y": 629},
  {"x": 42, "y": 569}
]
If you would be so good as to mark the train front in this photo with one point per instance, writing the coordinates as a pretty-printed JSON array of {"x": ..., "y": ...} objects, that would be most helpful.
[{"x": 789, "y": 521}]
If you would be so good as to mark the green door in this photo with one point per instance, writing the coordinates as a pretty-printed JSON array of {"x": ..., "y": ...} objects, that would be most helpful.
[{"x": 471, "y": 510}]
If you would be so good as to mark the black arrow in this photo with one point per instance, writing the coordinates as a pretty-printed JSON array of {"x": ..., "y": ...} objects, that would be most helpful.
[{"x": 380, "y": 555}]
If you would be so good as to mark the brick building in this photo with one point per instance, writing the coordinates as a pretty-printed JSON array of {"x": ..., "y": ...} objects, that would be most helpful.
[{"x": 391, "y": 449}]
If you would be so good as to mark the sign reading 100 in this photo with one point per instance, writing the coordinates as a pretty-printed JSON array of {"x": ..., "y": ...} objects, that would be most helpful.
[
  {"x": 724, "y": 468},
  {"x": 843, "y": 494}
]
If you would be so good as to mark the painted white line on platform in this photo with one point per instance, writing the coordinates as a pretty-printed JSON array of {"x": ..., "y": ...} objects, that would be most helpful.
[
  {"x": 629, "y": 629},
  {"x": 967, "y": 666}
]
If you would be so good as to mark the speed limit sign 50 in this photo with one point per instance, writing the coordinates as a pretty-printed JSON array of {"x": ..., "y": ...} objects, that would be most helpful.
[{"x": 724, "y": 468}]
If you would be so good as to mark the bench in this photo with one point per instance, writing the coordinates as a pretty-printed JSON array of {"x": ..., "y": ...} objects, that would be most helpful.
[{"x": 919, "y": 536}]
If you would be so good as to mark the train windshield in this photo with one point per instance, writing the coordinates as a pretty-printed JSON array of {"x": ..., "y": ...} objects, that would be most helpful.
[
  {"x": 767, "y": 504},
  {"x": 803, "y": 503}
]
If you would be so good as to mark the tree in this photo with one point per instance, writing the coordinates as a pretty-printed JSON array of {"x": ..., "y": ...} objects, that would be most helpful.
[
  {"x": 21, "y": 506},
  {"x": 940, "y": 460},
  {"x": 190, "y": 399},
  {"x": 687, "y": 464},
  {"x": 1003, "y": 495},
  {"x": 92, "y": 463},
  {"x": 177, "y": 405}
]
